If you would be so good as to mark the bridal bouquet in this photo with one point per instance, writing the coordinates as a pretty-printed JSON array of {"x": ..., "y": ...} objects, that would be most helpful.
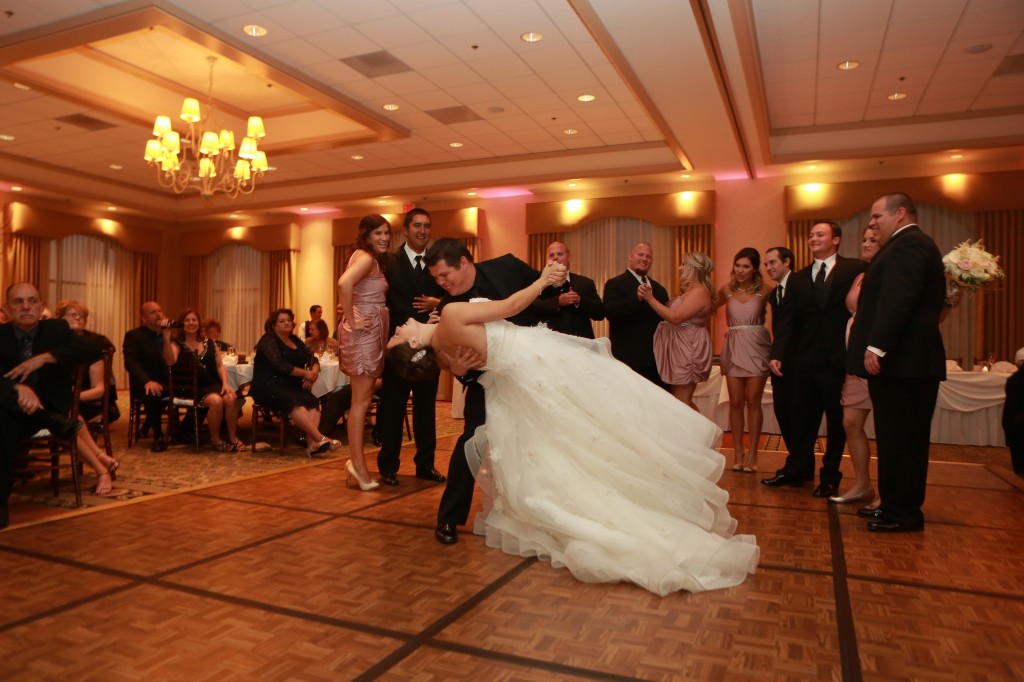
[{"x": 969, "y": 266}]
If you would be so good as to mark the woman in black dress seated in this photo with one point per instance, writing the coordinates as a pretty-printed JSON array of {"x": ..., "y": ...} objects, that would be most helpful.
[
  {"x": 281, "y": 381},
  {"x": 90, "y": 400},
  {"x": 213, "y": 389}
]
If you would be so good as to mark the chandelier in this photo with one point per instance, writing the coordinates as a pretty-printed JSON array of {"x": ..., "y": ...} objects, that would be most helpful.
[{"x": 206, "y": 162}]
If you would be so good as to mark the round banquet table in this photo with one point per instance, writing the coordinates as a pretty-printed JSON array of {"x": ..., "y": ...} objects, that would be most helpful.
[{"x": 331, "y": 377}]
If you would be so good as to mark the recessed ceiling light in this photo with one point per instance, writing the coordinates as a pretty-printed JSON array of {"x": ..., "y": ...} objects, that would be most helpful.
[
  {"x": 6, "y": 138},
  {"x": 897, "y": 96},
  {"x": 111, "y": 208},
  {"x": 22, "y": 86},
  {"x": 811, "y": 166},
  {"x": 357, "y": 157},
  {"x": 848, "y": 65},
  {"x": 531, "y": 37},
  {"x": 303, "y": 209},
  {"x": 586, "y": 98},
  {"x": 116, "y": 166},
  {"x": 570, "y": 131},
  {"x": 570, "y": 184},
  {"x": 381, "y": 201},
  {"x": 16, "y": 188},
  {"x": 685, "y": 176},
  {"x": 470, "y": 194},
  {"x": 390, "y": 107},
  {"x": 233, "y": 216},
  {"x": 980, "y": 48},
  {"x": 454, "y": 145},
  {"x": 956, "y": 156},
  {"x": 254, "y": 30}
]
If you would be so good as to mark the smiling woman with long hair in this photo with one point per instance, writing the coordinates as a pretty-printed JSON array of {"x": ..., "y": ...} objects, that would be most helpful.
[{"x": 363, "y": 332}]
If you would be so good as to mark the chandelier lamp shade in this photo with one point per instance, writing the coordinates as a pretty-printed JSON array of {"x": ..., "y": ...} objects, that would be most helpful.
[{"x": 202, "y": 159}]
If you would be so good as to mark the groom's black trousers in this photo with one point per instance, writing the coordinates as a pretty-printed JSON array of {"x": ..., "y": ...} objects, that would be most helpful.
[{"x": 458, "y": 493}]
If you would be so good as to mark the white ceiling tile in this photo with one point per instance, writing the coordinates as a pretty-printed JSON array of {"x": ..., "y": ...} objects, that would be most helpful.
[
  {"x": 986, "y": 101},
  {"x": 393, "y": 32},
  {"x": 475, "y": 93},
  {"x": 425, "y": 55},
  {"x": 275, "y": 32},
  {"x": 776, "y": 18},
  {"x": 895, "y": 110},
  {"x": 621, "y": 138},
  {"x": 521, "y": 87},
  {"x": 932, "y": 106},
  {"x": 501, "y": 66},
  {"x": 571, "y": 81},
  {"x": 796, "y": 120},
  {"x": 556, "y": 58},
  {"x": 297, "y": 52},
  {"x": 300, "y": 17},
  {"x": 343, "y": 42},
  {"x": 896, "y": 58},
  {"x": 512, "y": 149},
  {"x": 947, "y": 90},
  {"x": 852, "y": 103},
  {"x": 1004, "y": 85},
  {"x": 512, "y": 124},
  {"x": 841, "y": 82},
  {"x": 507, "y": 13},
  {"x": 993, "y": 20},
  {"x": 406, "y": 84},
  {"x": 786, "y": 51},
  {"x": 839, "y": 116},
  {"x": 974, "y": 70},
  {"x": 359, "y": 11},
  {"x": 837, "y": 18},
  {"x": 447, "y": 20},
  {"x": 910, "y": 11},
  {"x": 365, "y": 91},
  {"x": 798, "y": 70},
  {"x": 451, "y": 76}
]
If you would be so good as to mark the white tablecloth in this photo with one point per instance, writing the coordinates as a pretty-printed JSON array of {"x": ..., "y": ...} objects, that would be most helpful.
[
  {"x": 331, "y": 377},
  {"x": 968, "y": 411}
]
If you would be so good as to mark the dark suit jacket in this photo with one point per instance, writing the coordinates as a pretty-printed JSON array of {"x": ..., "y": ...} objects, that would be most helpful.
[
  {"x": 810, "y": 334},
  {"x": 499, "y": 278},
  {"x": 631, "y": 322},
  {"x": 777, "y": 311},
  {"x": 403, "y": 286},
  {"x": 143, "y": 359},
  {"x": 901, "y": 298},
  {"x": 53, "y": 382},
  {"x": 574, "y": 319}
]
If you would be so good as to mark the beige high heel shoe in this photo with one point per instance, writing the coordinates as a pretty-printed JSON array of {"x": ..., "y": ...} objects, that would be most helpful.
[{"x": 351, "y": 474}]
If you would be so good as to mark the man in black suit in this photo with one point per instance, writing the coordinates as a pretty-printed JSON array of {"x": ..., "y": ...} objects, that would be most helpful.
[
  {"x": 895, "y": 342},
  {"x": 452, "y": 266},
  {"x": 570, "y": 307},
  {"x": 412, "y": 293},
  {"x": 631, "y": 321},
  {"x": 811, "y": 337},
  {"x": 147, "y": 371},
  {"x": 778, "y": 263},
  {"x": 1013, "y": 415},
  {"x": 37, "y": 359}
]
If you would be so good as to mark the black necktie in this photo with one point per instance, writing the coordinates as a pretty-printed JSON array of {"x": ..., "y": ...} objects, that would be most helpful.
[
  {"x": 26, "y": 347},
  {"x": 820, "y": 279},
  {"x": 419, "y": 264},
  {"x": 643, "y": 279},
  {"x": 778, "y": 293}
]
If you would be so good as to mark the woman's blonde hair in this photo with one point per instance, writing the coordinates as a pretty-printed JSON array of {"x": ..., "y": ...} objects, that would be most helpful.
[{"x": 696, "y": 269}]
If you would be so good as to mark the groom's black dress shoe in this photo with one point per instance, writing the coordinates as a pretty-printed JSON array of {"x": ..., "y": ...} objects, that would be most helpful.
[
  {"x": 389, "y": 479},
  {"x": 780, "y": 480},
  {"x": 447, "y": 534},
  {"x": 882, "y": 526},
  {"x": 430, "y": 475},
  {"x": 870, "y": 512},
  {"x": 826, "y": 490}
]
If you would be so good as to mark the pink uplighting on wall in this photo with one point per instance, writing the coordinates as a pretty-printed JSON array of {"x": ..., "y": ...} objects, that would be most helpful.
[{"x": 500, "y": 192}]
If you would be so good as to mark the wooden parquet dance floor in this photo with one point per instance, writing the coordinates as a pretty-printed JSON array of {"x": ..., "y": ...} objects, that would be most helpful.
[{"x": 291, "y": 576}]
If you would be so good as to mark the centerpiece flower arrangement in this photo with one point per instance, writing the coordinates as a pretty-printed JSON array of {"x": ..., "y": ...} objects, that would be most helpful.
[{"x": 970, "y": 267}]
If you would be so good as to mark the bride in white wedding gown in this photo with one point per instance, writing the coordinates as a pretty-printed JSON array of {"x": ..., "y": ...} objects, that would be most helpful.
[{"x": 582, "y": 461}]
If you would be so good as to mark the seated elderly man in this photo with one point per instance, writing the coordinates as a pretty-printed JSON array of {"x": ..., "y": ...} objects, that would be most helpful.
[
  {"x": 40, "y": 355},
  {"x": 147, "y": 372}
]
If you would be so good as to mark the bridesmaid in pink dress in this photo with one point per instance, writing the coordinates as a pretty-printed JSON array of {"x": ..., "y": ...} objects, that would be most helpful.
[
  {"x": 682, "y": 344},
  {"x": 855, "y": 401},
  {"x": 362, "y": 334},
  {"x": 745, "y": 354}
]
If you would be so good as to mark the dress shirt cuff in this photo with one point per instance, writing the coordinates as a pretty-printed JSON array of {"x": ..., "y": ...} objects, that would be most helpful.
[{"x": 877, "y": 351}]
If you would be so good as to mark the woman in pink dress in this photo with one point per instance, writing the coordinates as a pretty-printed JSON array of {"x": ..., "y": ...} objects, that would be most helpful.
[
  {"x": 745, "y": 354},
  {"x": 855, "y": 401},
  {"x": 682, "y": 343},
  {"x": 363, "y": 332}
]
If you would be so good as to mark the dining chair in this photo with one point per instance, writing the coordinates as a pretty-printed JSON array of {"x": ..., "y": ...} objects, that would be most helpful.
[
  {"x": 99, "y": 426},
  {"x": 183, "y": 389},
  {"x": 44, "y": 451},
  {"x": 261, "y": 412}
]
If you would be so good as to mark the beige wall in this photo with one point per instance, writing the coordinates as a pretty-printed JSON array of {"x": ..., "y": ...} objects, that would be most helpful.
[{"x": 314, "y": 281}]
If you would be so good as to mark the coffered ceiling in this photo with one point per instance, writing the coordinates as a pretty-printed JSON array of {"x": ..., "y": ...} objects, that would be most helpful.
[{"x": 712, "y": 89}]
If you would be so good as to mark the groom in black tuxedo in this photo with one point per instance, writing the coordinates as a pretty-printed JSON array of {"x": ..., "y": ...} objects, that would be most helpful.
[
  {"x": 895, "y": 343},
  {"x": 810, "y": 347},
  {"x": 452, "y": 267}
]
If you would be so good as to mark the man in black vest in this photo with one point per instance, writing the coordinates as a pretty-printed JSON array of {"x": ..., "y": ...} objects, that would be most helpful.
[{"x": 452, "y": 266}]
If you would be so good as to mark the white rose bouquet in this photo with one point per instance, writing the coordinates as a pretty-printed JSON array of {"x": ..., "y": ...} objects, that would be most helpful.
[{"x": 969, "y": 266}]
